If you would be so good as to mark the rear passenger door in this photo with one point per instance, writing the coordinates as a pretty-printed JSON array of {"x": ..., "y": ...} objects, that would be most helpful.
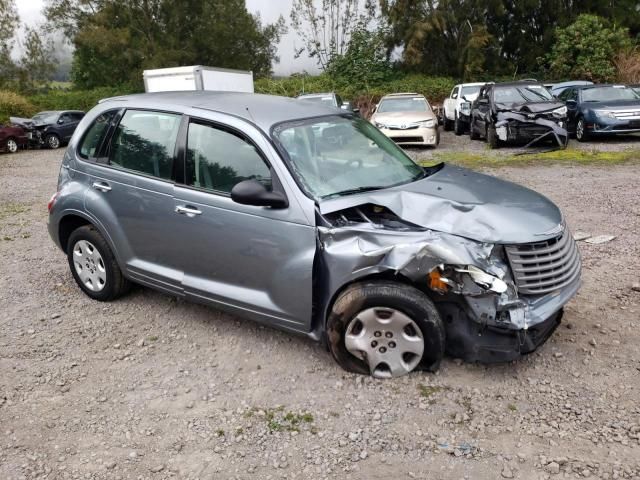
[
  {"x": 131, "y": 195},
  {"x": 255, "y": 261}
]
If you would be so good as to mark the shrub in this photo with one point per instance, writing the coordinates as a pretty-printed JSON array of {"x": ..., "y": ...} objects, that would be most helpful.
[
  {"x": 75, "y": 99},
  {"x": 627, "y": 64},
  {"x": 14, "y": 105}
]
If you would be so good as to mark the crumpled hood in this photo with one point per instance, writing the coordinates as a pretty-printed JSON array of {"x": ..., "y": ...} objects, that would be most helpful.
[
  {"x": 462, "y": 202},
  {"x": 533, "y": 107}
]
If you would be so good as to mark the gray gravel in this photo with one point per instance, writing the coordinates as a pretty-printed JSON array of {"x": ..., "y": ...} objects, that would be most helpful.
[{"x": 150, "y": 387}]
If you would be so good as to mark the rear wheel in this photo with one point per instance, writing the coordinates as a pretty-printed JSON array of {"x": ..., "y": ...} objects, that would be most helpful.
[
  {"x": 447, "y": 124},
  {"x": 94, "y": 266},
  {"x": 582, "y": 135},
  {"x": 385, "y": 329},
  {"x": 12, "y": 145}
]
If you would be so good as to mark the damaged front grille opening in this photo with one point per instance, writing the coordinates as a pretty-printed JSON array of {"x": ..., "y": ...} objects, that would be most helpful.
[
  {"x": 376, "y": 215},
  {"x": 535, "y": 126}
]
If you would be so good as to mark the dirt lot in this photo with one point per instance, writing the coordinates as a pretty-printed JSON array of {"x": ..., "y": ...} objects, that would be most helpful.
[{"x": 150, "y": 387}]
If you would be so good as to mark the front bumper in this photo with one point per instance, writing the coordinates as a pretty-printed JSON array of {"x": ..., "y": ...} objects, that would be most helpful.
[
  {"x": 412, "y": 136},
  {"x": 604, "y": 126},
  {"x": 525, "y": 326}
]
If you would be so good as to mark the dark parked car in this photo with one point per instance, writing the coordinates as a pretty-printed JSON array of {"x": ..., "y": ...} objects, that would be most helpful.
[
  {"x": 12, "y": 138},
  {"x": 520, "y": 112},
  {"x": 601, "y": 110},
  {"x": 248, "y": 203},
  {"x": 50, "y": 129}
]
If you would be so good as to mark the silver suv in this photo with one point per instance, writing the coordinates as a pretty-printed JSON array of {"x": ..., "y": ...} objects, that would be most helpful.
[{"x": 311, "y": 220}]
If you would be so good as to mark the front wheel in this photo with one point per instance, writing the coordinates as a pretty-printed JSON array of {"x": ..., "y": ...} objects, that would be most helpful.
[
  {"x": 492, "y": 137},
  {"x": 385, "y": 329},
  {"x": 581, "y": 131},
  {"x": 52, "y": 141},
  {"x": 458, "y": 126},
  {"x": 12, "y": 145},
  {"x": 473, "y": 135},
  {"x": 94, "y": 266}
]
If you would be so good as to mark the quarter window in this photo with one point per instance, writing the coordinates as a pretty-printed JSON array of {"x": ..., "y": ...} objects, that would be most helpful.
[
  {"x": 145, "y": 142},
  {"x": 217, "y": 160},
  {"x": 90, "y": 144}
]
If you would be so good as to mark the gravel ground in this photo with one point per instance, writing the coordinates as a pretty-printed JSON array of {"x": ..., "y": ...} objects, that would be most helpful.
[{"x": 150, "y": 387}]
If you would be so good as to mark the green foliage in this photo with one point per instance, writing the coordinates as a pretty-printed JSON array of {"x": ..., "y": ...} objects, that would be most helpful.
[
  {"x": 587, "y": 49},
  {"x": 9, "y": 22},
  {"x": 14, "y": 105},
  {"x": 76, "y": 99},
  {"x": 364, "y": 62},
  {"x": 115, "y": 40},
  {"x": 36, "y": 64}
]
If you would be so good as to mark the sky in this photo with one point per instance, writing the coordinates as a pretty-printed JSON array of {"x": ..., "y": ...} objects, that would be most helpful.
[{"x": 269, "y": 10}]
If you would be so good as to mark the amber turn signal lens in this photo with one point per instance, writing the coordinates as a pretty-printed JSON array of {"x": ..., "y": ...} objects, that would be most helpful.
[{"x": 435, "y": 281}]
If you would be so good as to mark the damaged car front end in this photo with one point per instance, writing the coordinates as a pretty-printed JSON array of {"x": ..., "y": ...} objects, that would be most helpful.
[
  {"x": 495, "y": 259},
  {"x": 519, "y": 112}
]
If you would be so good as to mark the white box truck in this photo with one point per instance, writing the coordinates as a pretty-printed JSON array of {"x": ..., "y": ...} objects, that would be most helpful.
[{"x": 197, "y": 77}]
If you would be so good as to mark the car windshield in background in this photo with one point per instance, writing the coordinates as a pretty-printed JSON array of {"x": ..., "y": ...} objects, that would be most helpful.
[
  {"x": 470, "y": 90},
  {"x": 45, "y": 117},
  {"x": 334, "y": 156},
  {"x": 406, "y": 104},
  {"x": 608, "y": 94},
  {"x": 322, "y": 99},
  {"x": 521, "y": 94}
]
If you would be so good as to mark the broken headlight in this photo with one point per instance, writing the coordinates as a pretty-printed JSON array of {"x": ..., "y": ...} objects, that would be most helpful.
[
  {"x": 445, "y": 278},
  {"x": 559, "y": 112},
  {"x": 465, "y": 108}
]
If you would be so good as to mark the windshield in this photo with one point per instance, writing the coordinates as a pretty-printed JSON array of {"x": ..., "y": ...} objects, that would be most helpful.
[
  {"x": 607, "y": 94},
  {"x": 334, "y": 156},
  {"x": 45, "y": 117},
  {"x": 521, "y": 94},
  {"x": 322, "y": 99},
  {"x": 470, "y": 91},
  {"x": 406, "y": 104}
]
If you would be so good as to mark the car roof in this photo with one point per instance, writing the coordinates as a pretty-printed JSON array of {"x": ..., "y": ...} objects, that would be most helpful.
[
  {"x": 262, "y": 110},
  {"x": 516, "y": 83},
  {"x": 474, "y": 84},
  {"x": 598, "y": 85},
  {"x": 405, "y": 94},
  {"x": 315, "y": 94}
]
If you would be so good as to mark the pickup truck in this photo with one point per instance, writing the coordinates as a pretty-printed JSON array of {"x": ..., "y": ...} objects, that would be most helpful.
[{"x": 457, "y": 108}]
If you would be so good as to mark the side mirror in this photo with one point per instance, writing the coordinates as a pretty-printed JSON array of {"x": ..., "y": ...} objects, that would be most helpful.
[
  {"x": 60, "y": 121},
  {"x": 455, "y": 95},
  {"x": 571, "y": 103},
  {"x": 252, "y": 192}
]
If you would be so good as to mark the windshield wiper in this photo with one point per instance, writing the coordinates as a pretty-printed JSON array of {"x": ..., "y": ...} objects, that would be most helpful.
[{"x": 351, "y": 191}]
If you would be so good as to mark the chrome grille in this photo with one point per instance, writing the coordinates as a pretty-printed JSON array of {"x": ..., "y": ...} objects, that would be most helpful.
[{"x": 543, "y": 267}]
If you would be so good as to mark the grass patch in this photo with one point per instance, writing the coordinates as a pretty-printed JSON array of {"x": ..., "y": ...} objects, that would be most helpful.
[
  {"x": 427, "y": 391},
  {"x": 278, "y": 420},
  {"x": 496, "y": 159},
  {"x": 512, "y": 407},
  {"x": 9, "y": 210}
]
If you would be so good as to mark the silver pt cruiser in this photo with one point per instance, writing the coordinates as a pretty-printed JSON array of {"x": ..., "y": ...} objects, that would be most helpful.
[{"x": 309, "y": 219}]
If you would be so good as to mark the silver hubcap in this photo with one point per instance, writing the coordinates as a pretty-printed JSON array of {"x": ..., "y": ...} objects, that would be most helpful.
[
  {"x": 89, "y": 266},
  {"x": 12, "y": 146},
  {"x": 54, "y": 142},
  {"x": 580, "y": 129},
  {"x": 387, "y": 340}
]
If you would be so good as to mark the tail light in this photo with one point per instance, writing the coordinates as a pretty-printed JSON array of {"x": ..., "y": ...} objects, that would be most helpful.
[{"x": 52, "y": 201}]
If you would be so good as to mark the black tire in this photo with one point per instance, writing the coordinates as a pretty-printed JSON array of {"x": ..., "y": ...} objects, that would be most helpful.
[
  {"x": 582, "y": 135},
  {"x": 492, "y": 137},
  {"x": 52, "y": 141},
  {"x": 458, "y": 126},
  {"x": 409, "y": 300},
  {"x": 473, "y": 135},
  {"x": 447, "y": 124},
  {"x": 11, "y": 145},
  {"x": 115, "y": 285}
]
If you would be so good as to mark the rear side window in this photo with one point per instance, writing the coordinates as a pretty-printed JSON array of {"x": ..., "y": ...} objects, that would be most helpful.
[
  {"x": 145, "y": 142},
  {"x": 90, "y": 144},
  {"x": 217, "y": 160}
]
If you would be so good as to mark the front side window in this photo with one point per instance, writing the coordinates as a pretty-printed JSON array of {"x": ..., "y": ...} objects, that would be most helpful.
[
  {"x": 90, "y": 143},
  {"x": 335, "y": 156},
  {"x": 145, "y": 142},
  {"x": 403, "y": 104},
  {"x": 218, "y": 160},
  {"x": 454, "y": 93}
]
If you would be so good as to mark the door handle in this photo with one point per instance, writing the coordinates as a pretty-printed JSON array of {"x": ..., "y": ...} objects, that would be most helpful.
[
  {"x": 102, "y": 186},
  {"x": 188, "y": 211}
]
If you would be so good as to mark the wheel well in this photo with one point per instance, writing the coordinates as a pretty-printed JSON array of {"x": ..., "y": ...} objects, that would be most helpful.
[{"x": 66, "y": 227}]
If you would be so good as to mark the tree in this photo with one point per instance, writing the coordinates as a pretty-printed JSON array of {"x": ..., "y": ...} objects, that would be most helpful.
[
  {"x": 365, "y": 61},
  {"x": 9, "y": 22},
  {"x": 115, "y": 40},
  {"x": 587, "y": 49},
  {"x": 37, "y": 63},
  {"x": 325, "y": 26}
]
